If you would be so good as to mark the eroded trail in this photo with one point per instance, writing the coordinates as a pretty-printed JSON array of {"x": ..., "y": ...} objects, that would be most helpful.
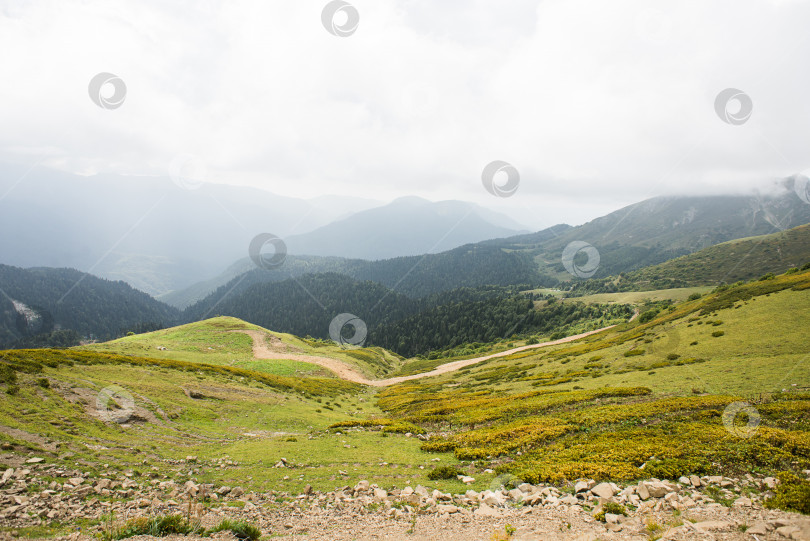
[{"x": 262, "y": 351}]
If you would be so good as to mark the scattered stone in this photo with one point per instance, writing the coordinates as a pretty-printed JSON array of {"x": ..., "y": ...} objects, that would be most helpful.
[{"x": 603, "y": 490}]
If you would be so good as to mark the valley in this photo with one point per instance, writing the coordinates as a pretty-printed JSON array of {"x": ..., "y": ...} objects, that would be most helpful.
[{"x": 222, "y": 403}]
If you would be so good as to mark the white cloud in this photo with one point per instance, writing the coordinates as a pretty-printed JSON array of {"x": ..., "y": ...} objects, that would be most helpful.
[{"x": 597, "y": 104}]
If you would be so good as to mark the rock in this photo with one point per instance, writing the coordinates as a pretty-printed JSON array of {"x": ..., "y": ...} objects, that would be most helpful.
[
  {"x": 789, "y": 531},
  {"x": 75, "y": 481},
  {"x": 238, "y": 491},
  {"x": 695, "y": 480},
  {"x": 742, "y": 502},
  {"x": 656, "y": 489},
  {"x": 361, "y": 486},
  {"x": 611, "y": 518},
  {"x": 684, "y": 480},
  {"x": 516, "y": 494},
  {"x": 380, "y": 494},
  {"x": 221, "y": 491},
  {"x": 467, "y": 479},
  {"x": 492, "y": 498},
  {"x": 584, "y": 485},
  {"x": 7, "y": 475},
  {"x": 422, "y": 491},
  {"x": 569, "y": 500},
  {"x": 603, "y": 490},
  {"x": 485, "y": 510},
  {"x": 446, "y": 509},
  {"x": 770, "y": 482},
  {"x": 760, "y": 528},
  {"x": 190, "y": 488},
  {"x": 712, "y": 525},
  {"x": 642, "y": 491},
  {"x": 35, "y": 460}
]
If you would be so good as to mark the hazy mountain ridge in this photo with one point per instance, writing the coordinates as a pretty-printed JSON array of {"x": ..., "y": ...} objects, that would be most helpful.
[{"x": 159, "y": 237}]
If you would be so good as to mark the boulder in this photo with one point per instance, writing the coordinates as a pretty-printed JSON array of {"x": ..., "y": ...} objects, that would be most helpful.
[
  {"x": 584, "y": 485},
  {"x": 603, "y": 490}
]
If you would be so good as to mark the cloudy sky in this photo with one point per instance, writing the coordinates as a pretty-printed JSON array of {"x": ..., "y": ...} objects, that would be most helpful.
[{"x": 595, "y": 104}]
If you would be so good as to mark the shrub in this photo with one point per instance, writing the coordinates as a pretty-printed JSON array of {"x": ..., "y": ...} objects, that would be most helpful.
[
  {"x": 634, "y": 352},
  {"x": 444, "y": 472},
  {"x": 240, "y": 529},
  {"x": 694, "y": 297},
  {"x": 769, "y": 276},
  {"x": 12, "y": 389},
  {"x": 648, "y": 315},
  {"x": 791, "y": 494},
  {"x": 43, "y": 382},
  {"x": 717, "y": 334},
  {"x": 158, "y": 526},
  {"x": 610, "y": 507}
]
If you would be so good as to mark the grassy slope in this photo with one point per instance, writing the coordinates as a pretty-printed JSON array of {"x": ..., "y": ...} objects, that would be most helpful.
[
  {"x": 741, "y": 259},
  {"x": 242, "y": 418},
  {"x": 594, "y": 410},
  {"x": 214, "y": 341},
  {"x": 629, "y": 297}
]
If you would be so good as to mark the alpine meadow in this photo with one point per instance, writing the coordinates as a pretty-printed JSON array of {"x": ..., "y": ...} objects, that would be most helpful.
[{"x": 340, "y": 270}]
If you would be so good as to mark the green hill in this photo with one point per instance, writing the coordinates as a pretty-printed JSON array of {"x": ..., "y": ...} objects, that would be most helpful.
[
  {"x": 654, "y": 399},
  {"x": 729, "y": 262}
]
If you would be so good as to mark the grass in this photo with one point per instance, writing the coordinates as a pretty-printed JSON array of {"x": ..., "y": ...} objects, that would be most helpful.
[
  {"x": 555, "y": 414},
  {"x": 217, "y": 341},
  {"x": 641, "y": 297}
]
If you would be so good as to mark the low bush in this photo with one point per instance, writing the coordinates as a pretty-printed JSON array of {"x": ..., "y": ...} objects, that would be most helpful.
[
  {"x": 791, "y": 494},
  {"x": 239, "y": 528},
  {"x": 444, "y": 472}
]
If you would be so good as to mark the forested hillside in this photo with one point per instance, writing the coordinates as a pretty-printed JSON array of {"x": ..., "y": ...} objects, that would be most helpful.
[
  {"x": 729, "y": 262},
  {"x": 306, "y": 306},
  {"x": 49, "y": 299}
]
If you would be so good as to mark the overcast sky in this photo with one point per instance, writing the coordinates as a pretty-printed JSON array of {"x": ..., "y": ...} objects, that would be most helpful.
[{"x": 596, "y": 104}]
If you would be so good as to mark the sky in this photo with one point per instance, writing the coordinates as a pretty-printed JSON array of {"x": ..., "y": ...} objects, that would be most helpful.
[{"x": 594, "y": 105}]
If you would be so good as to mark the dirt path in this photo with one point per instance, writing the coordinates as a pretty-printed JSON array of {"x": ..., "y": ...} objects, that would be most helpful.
[{"x": 344, "y": 371}]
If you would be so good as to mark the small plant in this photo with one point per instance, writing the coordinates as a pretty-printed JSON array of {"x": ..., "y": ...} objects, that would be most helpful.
[
  {"x": 159, "y": 526},
  {"x": 612, "y": 508},
  {"x": 12, "y": 389},
  {"x": 240, "y": 529},
  {"x": 444, "y": 472}
]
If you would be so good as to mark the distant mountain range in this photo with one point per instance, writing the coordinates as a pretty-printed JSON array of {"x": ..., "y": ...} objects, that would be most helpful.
[
  {"x": 710, "y": 235},
  {"x": 159, "y": 237}
]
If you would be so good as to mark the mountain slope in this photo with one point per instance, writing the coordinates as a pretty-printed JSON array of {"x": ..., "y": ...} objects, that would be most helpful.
[
  {"x": 37, "y": 300},
  {"x": 662, "y": 228},
  {"x": 728, "y": 262}
]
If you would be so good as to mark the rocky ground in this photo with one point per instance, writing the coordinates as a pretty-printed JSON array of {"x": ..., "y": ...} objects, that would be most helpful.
[{"x": 36, "y": 492}]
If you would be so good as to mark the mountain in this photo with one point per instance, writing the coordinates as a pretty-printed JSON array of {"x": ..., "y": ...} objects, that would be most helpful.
[
  {"x": 161, "y": 238},
  {"x": 39, "y": 300},
  {"x": 406, "y": 226},
  {"x": 637, "y": 236},
  {"x": 472, "y": 265},
  {"x": 729, "y": 262},
  {"x": 663, "y": 228}
]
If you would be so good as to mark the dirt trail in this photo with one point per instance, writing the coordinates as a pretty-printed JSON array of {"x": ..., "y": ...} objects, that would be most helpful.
[{"x": 344, "y": 371}]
